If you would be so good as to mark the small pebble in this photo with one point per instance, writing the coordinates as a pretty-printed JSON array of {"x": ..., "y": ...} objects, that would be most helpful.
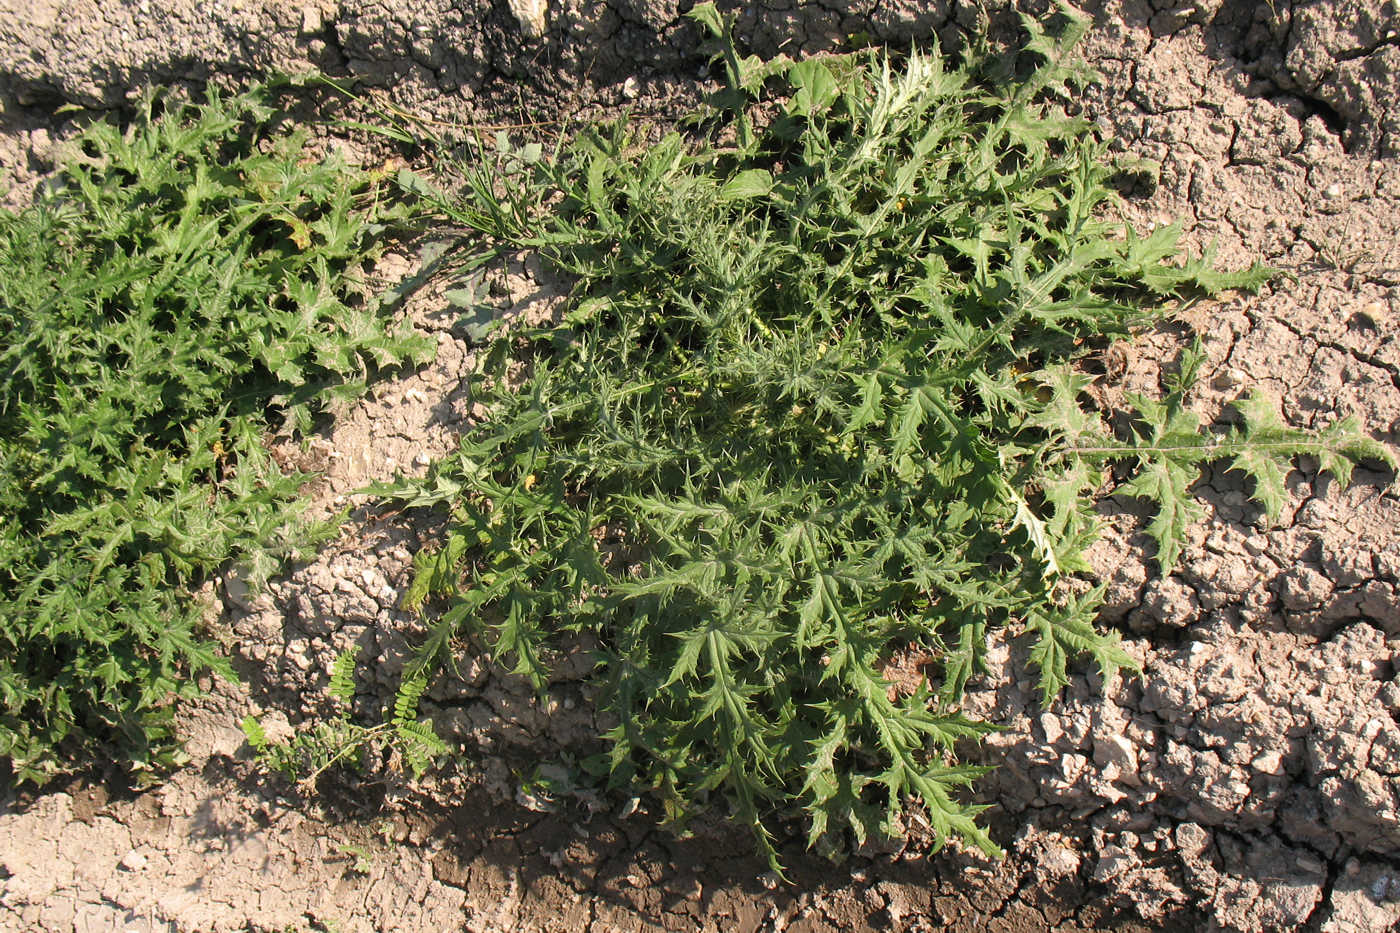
[
  {"x": 1115, "y": 750},
  {"x": 1334, "y": 190},
  {"x": 630, "y": 89},
  {"x": 687, "y": 886},
  {"x": 133, "y": 861},
  {"x": 422, "y": 459},
  {"x": 41, "y": 144},
  {"x": 1228, "y": 378}
]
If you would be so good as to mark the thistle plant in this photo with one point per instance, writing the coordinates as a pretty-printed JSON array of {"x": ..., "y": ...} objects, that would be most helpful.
[
  {"x": 819, "y": 396},
  {"x": 192, "y": 283}
]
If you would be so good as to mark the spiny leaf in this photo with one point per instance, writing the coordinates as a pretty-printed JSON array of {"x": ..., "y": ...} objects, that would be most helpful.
[
  {"x": 1166, "y": 483},
  {"x": 1171, "y": 448},
  {"x": 748, "y": 184},
  {"x": 1035, "y": 529},
  {"x": 814, "y": 88},
  {"x": 1062, "y": 631},
  {"x": 1265, "y": 445}
]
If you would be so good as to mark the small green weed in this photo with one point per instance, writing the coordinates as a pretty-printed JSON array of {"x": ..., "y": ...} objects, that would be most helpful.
[
  {"x": 188, "y": 286},
  {"x": 819, "y": 398},
  {"x": 361, "y": 860},
  {"x": 327, "y": 743}
]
